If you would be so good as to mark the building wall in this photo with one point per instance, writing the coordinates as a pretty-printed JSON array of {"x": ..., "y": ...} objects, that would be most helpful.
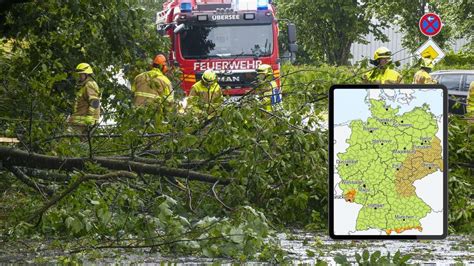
[{"x": 360, "y": 51}]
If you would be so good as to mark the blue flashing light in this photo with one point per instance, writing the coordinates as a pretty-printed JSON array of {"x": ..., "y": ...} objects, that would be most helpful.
[
  {"x": 186, "y": 7},
  {"x": 262, "y": 4}
]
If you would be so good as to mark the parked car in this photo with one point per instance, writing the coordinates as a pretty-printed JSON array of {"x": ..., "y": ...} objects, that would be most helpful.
[{"x": 457, "y": 82}]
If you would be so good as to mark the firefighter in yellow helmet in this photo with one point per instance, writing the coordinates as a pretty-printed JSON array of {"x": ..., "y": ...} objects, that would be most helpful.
[
  {"x": 87, "y": 107},
  {"x": 206, "y": 94},
  {"x": 382, "y": 73},
  {"x": 267, "y": 87},
  {"x": 470, "y": 104},
  {"x": 153, "y": 86},
  {"x": 422, "y": 76}
]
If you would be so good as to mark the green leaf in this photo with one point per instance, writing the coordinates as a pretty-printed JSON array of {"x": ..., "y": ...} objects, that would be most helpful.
[
  {"x": 375, "y": 256},
  {"x": 237, "y": 235},
  {"x": 310, "y": 253},
  {"x": 365, "y": 255},
  {"x": 340, "y": 259},
  {"x": 396, "y": 257},
  {"x": 404, "y": 259}
]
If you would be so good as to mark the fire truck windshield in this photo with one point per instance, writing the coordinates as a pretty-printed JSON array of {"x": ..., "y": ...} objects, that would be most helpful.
[{"x": 226, "y": 41}]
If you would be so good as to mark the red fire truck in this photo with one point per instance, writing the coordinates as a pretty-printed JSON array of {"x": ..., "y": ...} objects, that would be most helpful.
[{"x": 232, "y": 37}]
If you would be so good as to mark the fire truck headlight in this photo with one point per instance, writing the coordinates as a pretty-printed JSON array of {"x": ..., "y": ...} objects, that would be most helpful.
[
  {"x": 249, "y": 16},
  {"x": 202, "y": 18}
]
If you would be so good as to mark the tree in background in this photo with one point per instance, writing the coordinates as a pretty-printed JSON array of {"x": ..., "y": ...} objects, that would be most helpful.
[
  {"x": 47, "y": 39},
  {"x": 406, "y": 14},
  {"x": 327, "y": 29},
  {"x": 460, "y": 15}
]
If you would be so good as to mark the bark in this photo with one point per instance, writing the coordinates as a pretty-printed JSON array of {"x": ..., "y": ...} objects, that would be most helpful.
[
  {"x": 46, "y": 175},
  {"x": 16, "y": 157},
  {"x": 27, "y": 180}
]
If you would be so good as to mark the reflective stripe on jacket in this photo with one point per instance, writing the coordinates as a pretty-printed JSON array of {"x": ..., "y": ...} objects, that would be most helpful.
[
  {"x": 201, "y": 95},
  {"x": 149, "y": 86},
  {"x": 382, "y": 76},
  {"x": 84, "y": 111}
]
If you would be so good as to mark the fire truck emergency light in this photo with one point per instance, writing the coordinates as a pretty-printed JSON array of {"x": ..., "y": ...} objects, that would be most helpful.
[
  {"x": 186, "y": 7},
  {"x": 262, "y": 4}
]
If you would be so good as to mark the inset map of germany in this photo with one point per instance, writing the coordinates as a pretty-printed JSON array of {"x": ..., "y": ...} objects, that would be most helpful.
[{"x": 388, "y": 162}]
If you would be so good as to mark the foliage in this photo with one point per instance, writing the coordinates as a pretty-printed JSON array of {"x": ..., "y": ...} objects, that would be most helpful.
[
  {"x": 323, "y": 28},
  {"x": 461, "y": 170},
  {"x": 376, "y": 258},
  {"x": 276, "y": 164},
  {"x": 406, "y": 14},
  {"x": 460, "y": 15},
  {"x": 307, "y": 86},
  {"x": 50, "y": 38},
  {"x": 461, "y": 60}
]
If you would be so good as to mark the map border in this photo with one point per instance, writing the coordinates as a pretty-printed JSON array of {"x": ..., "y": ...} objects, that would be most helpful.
[{"x": 331, "y": 160}]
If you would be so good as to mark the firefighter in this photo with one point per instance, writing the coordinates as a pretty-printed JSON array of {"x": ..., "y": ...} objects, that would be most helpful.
[
  {"x": 267, "y": 87},
  {"x": 153, "y": 86},
  {"x": 382, "y": 73},
  {"x": 87, "y": 106},
  {"x": 423, "y": 76},
  {"x": 206, "y": 94},
  {"x": 470, "y": 104}
]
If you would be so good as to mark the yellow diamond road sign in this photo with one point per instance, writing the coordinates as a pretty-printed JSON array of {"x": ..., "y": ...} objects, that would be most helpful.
[{"x": 430, "y": 50}]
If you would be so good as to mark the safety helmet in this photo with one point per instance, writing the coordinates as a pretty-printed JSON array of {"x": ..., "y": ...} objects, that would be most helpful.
[
  {"x": 427, "y": 63},
  {"x": 382, "y": 52},
  {"x": 160, "y": 60},
  {"x": 209, "y": 76},
  {"x": 84, "y": 68},
  {"x": 264, "y": 69}
]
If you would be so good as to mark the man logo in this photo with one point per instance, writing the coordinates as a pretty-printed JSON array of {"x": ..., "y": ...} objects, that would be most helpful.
[{"x": 228, "y": 79}]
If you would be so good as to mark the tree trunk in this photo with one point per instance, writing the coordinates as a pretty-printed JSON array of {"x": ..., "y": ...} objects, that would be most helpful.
[{"x": 15, "y": 157}]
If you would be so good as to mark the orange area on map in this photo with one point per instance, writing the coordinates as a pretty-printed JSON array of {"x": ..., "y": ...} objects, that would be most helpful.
[
  {"x": 415, "y": 167},
  {"x": 402, "y": 229},
  {"x": 350, "y": 196}
]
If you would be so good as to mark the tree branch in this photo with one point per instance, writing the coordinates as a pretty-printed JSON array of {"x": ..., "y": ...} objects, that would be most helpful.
[
  {"x": 76, "y": 184},
  {"x": 27, "y": 181},
  {"x": 218, "y": 199},
  {"x": 16, "y": 157},
  {"x": 46, "y": 175}
]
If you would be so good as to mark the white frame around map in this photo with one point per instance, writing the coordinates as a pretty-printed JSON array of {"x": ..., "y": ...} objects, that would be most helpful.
[{"x": 342, "y": 213}]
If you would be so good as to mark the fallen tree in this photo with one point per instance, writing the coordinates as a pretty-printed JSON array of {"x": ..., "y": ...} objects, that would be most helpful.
[{"x": 16, "y": 157}]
